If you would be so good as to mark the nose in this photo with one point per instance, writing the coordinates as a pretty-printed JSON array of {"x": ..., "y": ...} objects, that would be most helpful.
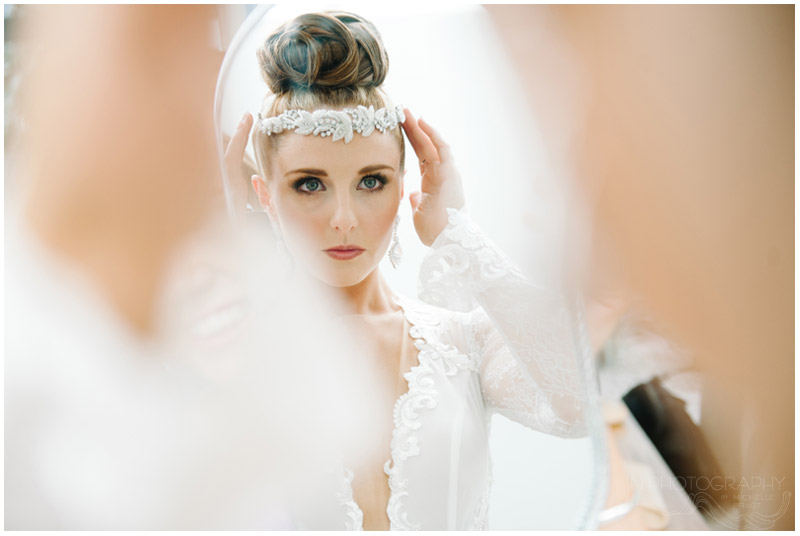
[{"x": 344, "y": 219}]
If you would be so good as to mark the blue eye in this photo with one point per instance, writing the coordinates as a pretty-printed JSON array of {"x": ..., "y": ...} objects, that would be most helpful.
[
  {"x": 308, "y": 185},
  {"x": 312, "y": 186},
  {"x": 373, "y": 183}
]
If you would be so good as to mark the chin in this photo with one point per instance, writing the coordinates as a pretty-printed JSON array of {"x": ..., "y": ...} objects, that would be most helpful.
[
  {"x": 340, "y": 279},
  {"x": 338, "y": 274}
]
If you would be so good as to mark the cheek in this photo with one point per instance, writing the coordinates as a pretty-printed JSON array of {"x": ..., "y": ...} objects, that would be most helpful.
[
  {"x": 377, "y": 213},
  {"x": 381, "y": 218},
  {"x": 300, "y": 219}
]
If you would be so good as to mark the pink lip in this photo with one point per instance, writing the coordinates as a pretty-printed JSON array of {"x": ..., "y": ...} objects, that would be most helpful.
[{"x": 344, "y": 253}]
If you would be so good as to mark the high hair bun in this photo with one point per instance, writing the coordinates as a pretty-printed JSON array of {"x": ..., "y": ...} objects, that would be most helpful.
[{"x": 324, "y": 51}]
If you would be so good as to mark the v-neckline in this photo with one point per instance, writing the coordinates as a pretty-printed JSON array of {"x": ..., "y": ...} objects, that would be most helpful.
[
  {"x": 400, "y": 379},
  {"x": 412, "y": 330}
]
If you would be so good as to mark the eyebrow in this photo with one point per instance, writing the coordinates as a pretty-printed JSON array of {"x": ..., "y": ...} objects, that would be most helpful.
[{"x": 322, "y": 173}]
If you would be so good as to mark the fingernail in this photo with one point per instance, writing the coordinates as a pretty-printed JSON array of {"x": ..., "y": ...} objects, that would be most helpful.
[{"x": 244, "y": 118}]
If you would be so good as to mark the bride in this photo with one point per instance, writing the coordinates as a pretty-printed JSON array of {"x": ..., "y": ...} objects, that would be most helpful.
[{"x": 330, "y": 151}]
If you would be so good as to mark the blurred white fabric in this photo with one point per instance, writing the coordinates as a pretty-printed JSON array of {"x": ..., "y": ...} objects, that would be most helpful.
[{"x": 104, "y": 430}]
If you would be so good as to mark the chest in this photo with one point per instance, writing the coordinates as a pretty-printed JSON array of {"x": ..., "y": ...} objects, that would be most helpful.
[
  {"x": 431, "y": 459},
  {"x": 387, "y": 350}
]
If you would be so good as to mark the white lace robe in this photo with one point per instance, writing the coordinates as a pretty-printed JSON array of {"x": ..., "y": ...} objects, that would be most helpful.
[{"x": 489, "y": 340}]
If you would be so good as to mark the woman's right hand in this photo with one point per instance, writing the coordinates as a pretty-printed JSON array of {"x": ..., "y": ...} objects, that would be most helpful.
[
  {"x": 232, "y": 161},
  {"x": 441, "y": 186}
]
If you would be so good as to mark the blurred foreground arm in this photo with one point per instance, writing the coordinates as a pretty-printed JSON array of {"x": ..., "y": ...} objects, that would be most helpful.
[{"x": 119, "y": 151}]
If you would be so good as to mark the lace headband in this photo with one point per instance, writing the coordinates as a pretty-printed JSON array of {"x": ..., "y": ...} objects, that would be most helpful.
[{"x": 339, "y": 124}]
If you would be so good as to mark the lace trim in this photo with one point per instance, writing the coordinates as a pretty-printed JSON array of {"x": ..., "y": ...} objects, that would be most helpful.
[
  {"x": 452, "y": 358},
  {"x": 355, "y": 517},
  {"x": 442, "y": 274},
  {"x": 421, "y": 395},
  {"x": 425, "y": 329},
  {"x": 480, "y": 521}
]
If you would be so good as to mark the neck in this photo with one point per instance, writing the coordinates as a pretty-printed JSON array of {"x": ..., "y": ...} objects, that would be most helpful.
[{"x": 372, "y": 296}]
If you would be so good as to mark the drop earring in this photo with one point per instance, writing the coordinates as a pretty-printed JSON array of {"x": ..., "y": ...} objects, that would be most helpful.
[{"x": 395, "y": 250}]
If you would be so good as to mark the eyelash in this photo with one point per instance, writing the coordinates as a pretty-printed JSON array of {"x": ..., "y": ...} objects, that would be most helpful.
[
  {"x": 381, "y": 178},
  {"x": 299, "y": 183}
]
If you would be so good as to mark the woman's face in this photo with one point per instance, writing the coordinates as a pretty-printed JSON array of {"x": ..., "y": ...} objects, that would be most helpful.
[{"x": 336, "y": 202}]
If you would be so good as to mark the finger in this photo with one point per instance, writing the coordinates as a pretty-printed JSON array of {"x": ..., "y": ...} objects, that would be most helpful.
[
  {"x": 422, "y": 144},
  {"x": 413, "y": 132},
  {"x": 408, "y": 126},
  {"x": 235, "y": 151},
  {"x": 443, "y": 149}
]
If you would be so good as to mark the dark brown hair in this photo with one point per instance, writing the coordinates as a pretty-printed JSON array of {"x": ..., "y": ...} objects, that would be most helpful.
[{"x": 330, "y": 60}]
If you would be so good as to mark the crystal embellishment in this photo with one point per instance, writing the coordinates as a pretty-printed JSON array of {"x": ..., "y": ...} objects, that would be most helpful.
[
  {"x": 395, "y": 254},
  {"x": 338, "y": 124},
  {"x": 395, "y": 250}
]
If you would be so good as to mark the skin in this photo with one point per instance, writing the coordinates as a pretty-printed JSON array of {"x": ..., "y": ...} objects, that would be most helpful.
[
  {"x": 114, "y": 143},
  {"x": 345, "y": 213},
  {"x": 345, "y": 202}
]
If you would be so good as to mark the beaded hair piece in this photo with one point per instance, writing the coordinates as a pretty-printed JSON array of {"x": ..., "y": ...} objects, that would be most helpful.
[{"x": 338, "y": 124}]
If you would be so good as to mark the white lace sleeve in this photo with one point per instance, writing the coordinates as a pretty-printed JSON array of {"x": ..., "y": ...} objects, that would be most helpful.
[{"x": 521, "y": 331}]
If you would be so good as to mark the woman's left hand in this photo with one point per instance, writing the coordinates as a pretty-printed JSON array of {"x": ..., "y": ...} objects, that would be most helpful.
[{"x": 441, "y": 182}]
